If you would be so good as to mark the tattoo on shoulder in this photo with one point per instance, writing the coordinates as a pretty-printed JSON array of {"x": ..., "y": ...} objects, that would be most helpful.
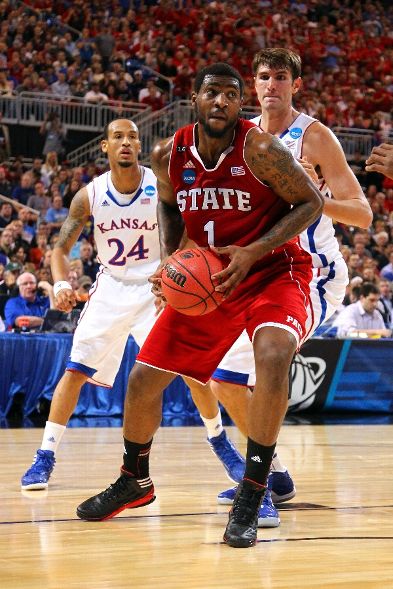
[{"x": 275, "y": 166}]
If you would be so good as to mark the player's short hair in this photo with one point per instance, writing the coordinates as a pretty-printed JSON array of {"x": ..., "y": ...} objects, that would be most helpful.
[
  {"x": 278, "y": 58},
  {"x": 106, "y": 128},
  {"x": 218, "y": 69}
]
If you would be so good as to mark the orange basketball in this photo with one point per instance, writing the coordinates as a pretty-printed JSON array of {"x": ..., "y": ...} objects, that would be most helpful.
[{"x": 186, "y": 281}]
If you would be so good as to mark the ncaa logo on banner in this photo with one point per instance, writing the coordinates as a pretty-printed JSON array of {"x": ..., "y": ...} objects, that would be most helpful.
[
  {"x": 189, "y": 176},
  {"x": 150, "y": 190}
]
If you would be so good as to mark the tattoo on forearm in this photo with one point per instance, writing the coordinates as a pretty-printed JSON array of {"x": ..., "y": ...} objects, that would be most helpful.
[
  {"x": 298, "y": 219},
  {"x": 69, "y": 231},
  {"x": 73, "y": 225}
]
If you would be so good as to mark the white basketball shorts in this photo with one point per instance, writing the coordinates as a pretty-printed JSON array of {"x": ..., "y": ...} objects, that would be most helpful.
[
  {"x": 115, "y": 309},
  {"x": 327, "y": 290}
]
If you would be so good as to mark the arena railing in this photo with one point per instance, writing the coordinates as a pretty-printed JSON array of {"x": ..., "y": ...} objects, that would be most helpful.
[
  {"x": 32, "y": 108},
  {"x": 152, "y": 127},
  {"x": 355, "y": 141}
]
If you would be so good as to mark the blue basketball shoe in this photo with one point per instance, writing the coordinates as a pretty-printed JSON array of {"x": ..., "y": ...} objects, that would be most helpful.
[
  {"x": 281, "y": 486},
  {"x": 267, "y": 516},
  {"x": 226, "y": 452},
  {"x": 37, "y": 476}
]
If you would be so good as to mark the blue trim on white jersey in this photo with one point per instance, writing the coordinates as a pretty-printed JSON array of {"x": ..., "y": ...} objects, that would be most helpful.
[
  {"x": 133, "y": 199},
  {"x": 127, "y": 204},
  {"x": 232, "y": 377},
  {"x": 313, "y": 250},
  {"x": 321, "y": 291},
  {"x": 80, "y": 368}
]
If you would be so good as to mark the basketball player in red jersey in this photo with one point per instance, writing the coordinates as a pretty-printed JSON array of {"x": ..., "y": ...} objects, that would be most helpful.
[{"x": 238, "y": 190}]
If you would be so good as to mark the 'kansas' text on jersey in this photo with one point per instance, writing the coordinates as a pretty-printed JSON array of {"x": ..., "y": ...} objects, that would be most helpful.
[{"x": 125, "y": 226}]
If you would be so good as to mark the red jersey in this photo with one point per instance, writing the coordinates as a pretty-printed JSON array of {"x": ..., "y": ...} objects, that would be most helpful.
[{"x": 225, "y": 205}]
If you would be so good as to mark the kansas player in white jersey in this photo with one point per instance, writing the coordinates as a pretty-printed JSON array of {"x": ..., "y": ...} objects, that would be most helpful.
[
  {"x": 123, "y": 205},
  {"x": 330, "y": 273},
  {"x": 277, "y": 79}
]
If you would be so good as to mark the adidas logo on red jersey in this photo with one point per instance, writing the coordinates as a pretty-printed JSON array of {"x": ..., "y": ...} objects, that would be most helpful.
[{"x": 189, "y": 164}]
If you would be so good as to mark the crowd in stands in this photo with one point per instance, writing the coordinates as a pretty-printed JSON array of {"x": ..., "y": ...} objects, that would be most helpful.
[
  {"x": 113, "y": 48},
  {"x": 114, "y": 51}
]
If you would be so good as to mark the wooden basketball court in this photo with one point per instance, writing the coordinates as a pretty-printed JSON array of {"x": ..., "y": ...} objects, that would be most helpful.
[{"x": 336, "y": 532}]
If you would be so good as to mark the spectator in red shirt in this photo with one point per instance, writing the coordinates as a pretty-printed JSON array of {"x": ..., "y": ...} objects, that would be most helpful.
[
  {"x": 183, "y": 83},
  {"x": 152, "y": 100}
]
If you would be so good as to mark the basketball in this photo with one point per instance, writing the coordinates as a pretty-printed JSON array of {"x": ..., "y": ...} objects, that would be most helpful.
[{"x": 187, "y": 284}]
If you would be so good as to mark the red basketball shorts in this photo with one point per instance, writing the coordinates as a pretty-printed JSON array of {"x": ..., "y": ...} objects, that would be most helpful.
[{"x": 194, "y": 346}]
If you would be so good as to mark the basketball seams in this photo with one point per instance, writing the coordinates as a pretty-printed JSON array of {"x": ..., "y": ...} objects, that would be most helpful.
[
  {"x": 205, "y": 259},
  {"x": 213, "y": 294},
  {"x": 193, "y": 275},
  {"x": 203, "y": 265},
  {"x": 190, "y": 294},
  {"x": 208, "y": 267},
  {"x": 200, "y": 299}
]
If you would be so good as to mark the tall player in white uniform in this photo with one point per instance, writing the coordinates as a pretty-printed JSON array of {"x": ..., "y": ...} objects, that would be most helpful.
[
  {"x": 277, "y": 79},
  {"x": 123, "y": 204}
]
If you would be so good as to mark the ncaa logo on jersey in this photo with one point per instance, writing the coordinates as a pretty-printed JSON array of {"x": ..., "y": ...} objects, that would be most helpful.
[
  {"x": 296, "y": 132},
  {"x": 150, "y": 190},
  {"x": 189, "y": 176}
]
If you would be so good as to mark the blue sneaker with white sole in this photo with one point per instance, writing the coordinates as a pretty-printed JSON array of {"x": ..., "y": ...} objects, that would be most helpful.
[
  {"x": 282, "y": 486},
  {"x": 226, "y": 497},
  {"x": 227, "y": 454},
  {"x": 37, "y": 476},
  {"x": 267, "y": 516}
]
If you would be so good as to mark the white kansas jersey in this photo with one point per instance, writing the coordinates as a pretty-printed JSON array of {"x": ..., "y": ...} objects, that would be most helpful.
[
  {"x": 125, "y": 226},
  {"x": 318, "y": 239}
]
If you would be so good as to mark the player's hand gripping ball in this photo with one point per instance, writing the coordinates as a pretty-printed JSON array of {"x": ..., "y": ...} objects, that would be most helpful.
[{"x": 186, "y": 281}]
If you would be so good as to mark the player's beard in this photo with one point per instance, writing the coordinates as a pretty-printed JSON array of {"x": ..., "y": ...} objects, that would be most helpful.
[
  {"x": 125, "y": 164},
  {"x": 210, "y": 132}
]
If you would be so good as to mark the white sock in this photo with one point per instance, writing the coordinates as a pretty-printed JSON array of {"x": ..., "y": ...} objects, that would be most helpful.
[
  {"x": 276, "y": 464},
  {"x": 52, "y": 435},
  {"x": 213, "y": 426}
]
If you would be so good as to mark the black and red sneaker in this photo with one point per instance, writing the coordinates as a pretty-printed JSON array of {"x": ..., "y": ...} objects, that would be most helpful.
[
  {"x": 241, "y": 531},
  {"x": 125, "y": 493}
]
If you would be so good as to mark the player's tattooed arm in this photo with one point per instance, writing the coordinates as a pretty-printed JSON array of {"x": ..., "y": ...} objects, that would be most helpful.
[
  {"x": 273, "y": 164},
  {"x": 71, "y": 229},
  {"x": 78, "y": 216},
  {"x": 170, "y": 221}
]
